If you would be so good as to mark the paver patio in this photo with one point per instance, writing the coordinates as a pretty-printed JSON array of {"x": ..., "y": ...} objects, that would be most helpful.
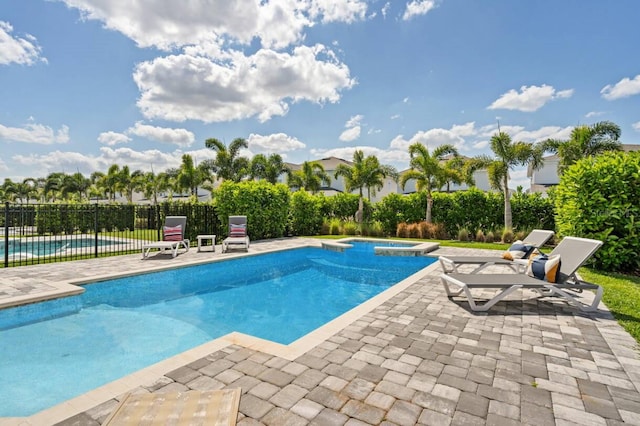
[{"x": 414, "y": 358}]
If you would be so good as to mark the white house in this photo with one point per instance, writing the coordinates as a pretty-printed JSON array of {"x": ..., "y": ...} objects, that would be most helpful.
[{"x": 547, "y": 176}]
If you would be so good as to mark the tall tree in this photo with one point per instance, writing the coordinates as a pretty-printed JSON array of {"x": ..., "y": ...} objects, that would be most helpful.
[
  {"x": 153, "y": 184},
  {"x": 366, "y": 172},
  {"x": 268, "y": 168},
  {"x": 310, "y": 177},
  {"x": 53, "y": 186},
  {"x": 585, "y": 141},
  {"x": 189, "y": 176},
  {"x": 229, "y": 165},
  {"x": 509, "y": 155},
  {"x": 427, "y": 170},
  {"x": 76, "y": 185}
]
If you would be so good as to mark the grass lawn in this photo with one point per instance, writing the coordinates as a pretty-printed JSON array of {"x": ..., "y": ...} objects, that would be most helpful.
[{"x": 621, "y": 292}]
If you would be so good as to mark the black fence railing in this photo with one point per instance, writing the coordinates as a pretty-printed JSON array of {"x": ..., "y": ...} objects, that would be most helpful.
[{"x": 40, "y": 233}]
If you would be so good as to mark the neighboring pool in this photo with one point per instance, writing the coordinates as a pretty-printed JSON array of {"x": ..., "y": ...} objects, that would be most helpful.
[
  {"x": 33, "y": 247},
  {"x": 55, "y": 350}
]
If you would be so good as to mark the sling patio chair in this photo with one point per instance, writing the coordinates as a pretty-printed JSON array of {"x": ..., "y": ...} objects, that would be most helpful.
[
  {"x": 519, "y": 250},
  {"x": 238, "y": 236},
  {"x": 568, "y": 256},
  {"x": 173, "y": 233}
]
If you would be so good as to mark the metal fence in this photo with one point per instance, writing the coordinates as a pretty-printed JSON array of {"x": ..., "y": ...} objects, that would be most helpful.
[{"x": 41, "y": 233}]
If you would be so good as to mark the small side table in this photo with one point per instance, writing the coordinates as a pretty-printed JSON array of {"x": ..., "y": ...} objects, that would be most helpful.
[{"x": 205, "y": 238}]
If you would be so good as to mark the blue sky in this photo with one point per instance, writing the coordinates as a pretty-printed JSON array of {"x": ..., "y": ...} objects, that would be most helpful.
[{"x": 90, "y": 83}]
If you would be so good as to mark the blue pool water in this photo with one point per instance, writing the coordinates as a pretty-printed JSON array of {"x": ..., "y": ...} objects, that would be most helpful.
[
  {"x": 35, "y": 247},
  {"x": 55, "y": 350}
]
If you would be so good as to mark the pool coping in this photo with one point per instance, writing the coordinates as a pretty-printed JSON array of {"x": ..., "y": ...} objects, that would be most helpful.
[{"x": 150, "y": 374}]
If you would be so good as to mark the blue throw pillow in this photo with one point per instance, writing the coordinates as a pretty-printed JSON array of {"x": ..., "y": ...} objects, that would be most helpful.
[
  {"x": 543, "y": 267},
  {"x": 518, "y": 250}
]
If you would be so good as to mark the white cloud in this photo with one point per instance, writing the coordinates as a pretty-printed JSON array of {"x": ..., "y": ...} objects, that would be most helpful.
[
  {"x": 385, "y": 9},
  {"x": 353, "y": 129},
  {"x": 636, "y": 126},
  {"x": 391, "y": 157},
  {"x": 431, "y": 139},
  {"x": 546, "y": 132},
  {"x": 168, "y": 24},
  {"x": 112, "y": 138},
  {"x": 35, "y": 133},
  {"x": 274, "y": 143},
  {"x": 467, "y": 129},
  {"x": 338, "y": 11},
  {"x": 480, "y": 144},
  {"x": 23, "y": 51},
  {"x": 179, "y": 137},
  {"x": 354, "y": 121},
  {"x": 418, "y": 7},
  {"x": 182, "y": 87},
  {"x": 395, "y": 116},
  {"x": 530, "y": 98},
  {"x": 594, "y": 114},
  {"x": 350, "y": 134},
  {"x": 622, "y": 89},
  {"x": 65, "y": 161}
]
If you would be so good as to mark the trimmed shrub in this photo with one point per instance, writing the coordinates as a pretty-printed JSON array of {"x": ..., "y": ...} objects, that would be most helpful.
[
  {"x": 413, "y": 230},
  {"x": 479, "y": 236},
  {"x": 507, "y": 236},
  {"x": 490, "y": 237},
  {"x": 402, "y": 230},
  {"x": 598, "y": 198},
  {"x": 463, "y": 235},
  {"x": 350, "y": 228},
  {"x": 266, "y": 206},
  {"x": 305, "y": 214}
]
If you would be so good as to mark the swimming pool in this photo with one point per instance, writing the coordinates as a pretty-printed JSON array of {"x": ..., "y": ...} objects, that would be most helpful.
[
  {"x": 34, "y": 247},
  {"x": 119, "y": 326}
]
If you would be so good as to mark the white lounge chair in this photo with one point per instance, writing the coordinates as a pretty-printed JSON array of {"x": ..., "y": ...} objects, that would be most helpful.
[
  {"x": 173, "y": 237},
  {"x": 536, "y": 238},
  {"x": 238, "y": 236},
  {"x": 573, "y": 252}
]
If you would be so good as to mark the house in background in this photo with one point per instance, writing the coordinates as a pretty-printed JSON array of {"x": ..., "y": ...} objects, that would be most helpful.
[
  {"x": 547, "y": 176},
  {"x": 336, "y": 186}
]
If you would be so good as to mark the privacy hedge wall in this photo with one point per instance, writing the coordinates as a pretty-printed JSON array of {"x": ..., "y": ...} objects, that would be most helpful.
[
  {"x": 265, "y": 205},
  {"x": 599, "y": 198}
]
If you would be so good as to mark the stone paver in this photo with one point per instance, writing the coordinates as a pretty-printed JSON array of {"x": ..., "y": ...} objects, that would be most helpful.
[{"x": 417, "y": 358}]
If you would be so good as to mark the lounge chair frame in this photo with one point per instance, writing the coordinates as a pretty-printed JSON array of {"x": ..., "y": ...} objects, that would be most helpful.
[
  {"x": 236, "y": 242},
  {"x": 573, "y": 251},
  {"x": 173, "y": 246},
  {"x": 536, "y": 238}
]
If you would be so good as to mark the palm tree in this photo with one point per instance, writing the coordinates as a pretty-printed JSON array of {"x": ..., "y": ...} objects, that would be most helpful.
[
  {"x": 152, "y": 185},
  {"x": 585, "y": 141},
  {"x": 228, "y": 164},
  {"x": 310, "y": 177},
  {"x": 427, "y": 170},
  {"x": 53, "y": 186},
  {"x": 76, "y": 184},
  {"x": 189, "y": 176},
  {"x": 509, "y": 155},
  {"x": 110, "y": 182},
  {"x": 364, "y": 173},
  {"x": 268, "y": 168},
  {"x": 128, "y": 182}
]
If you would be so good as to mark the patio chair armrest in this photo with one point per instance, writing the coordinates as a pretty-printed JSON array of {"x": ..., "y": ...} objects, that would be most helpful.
[{"x": 448, "y": 266}]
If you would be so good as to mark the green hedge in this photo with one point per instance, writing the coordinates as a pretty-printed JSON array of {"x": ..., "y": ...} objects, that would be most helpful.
[
  {"x": 266, "y": 206},
  {"x": 471, "y": 210},
  {"x": 598, "y": 197},
  {"x": 306, "y": 213}
]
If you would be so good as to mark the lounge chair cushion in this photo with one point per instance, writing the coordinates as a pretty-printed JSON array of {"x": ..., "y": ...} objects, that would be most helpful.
[
  {"x": 238, "y": 231},
  {"x": 172, "y": 233},
  {"x": 544, "y": 267},
  {"x": 518, "y": 250}
]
